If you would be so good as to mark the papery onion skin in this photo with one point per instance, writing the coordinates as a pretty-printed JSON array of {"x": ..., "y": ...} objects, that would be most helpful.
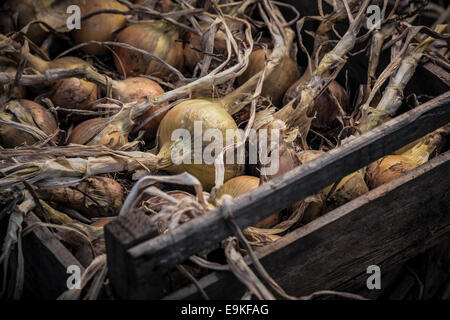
[
  {"x": 387, "y": 169},
  {"x": 111, "y": 136},
  {"x": 100, "y": 223},
  {"x": 212, "y": 115},
  {"x": 163, "y": 6},
  {"x": 241, "y": 185},
  {"x": 99, "y": 197},
  {"x": 74, "y": 93},
  {"x": 325, "y": 107},
  {"x": 156, "y": 37},
  {"x": 39, "y": 117},
  {"x": 275, "y": 84},
  {"x": 99, "y": 27},
  {"x": 8, "y": 66}
]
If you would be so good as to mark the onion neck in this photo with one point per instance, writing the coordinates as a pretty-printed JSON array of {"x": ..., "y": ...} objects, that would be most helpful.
[{"x": 37, "y": 63}]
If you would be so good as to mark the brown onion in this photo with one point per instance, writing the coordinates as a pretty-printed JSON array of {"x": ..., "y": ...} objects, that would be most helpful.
[
  {"x": 29, "y": 113},
  {"x": 276, "y": 84},
  {"x": 99, "y": 27},
  {"x": 325, "y": 107},
  {"x": 156, "y": 37},
  {"x": 94, "y": 132},
  {"x": 241, "y": 185},
  {"x": 93, "y": 197}
]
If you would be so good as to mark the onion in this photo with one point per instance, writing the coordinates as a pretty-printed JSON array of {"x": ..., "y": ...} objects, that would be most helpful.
[
  {"x": 325, "y": 107},
  {"x": 9, "y": 66},
  {"x": 71, "y": 93},
  {"x": 158, "y": 38},
  {"x": 29, "y": 113},
  {"x": 241, "y": 185},
  {"x": 162, "y": 6},
  {"x": 90, "y": 132},
  {"x": 93, "y": 197},
  {"x": 212, "y": 115},
  {"x": 99, "y": 27},
  {"x": 349, "y": 188},
  {"x": 391, "y": 167},
  {"x": 276, "y": 84}
]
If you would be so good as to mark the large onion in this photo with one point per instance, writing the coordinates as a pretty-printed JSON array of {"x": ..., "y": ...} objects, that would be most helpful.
[
  {"x": 276, "y": 84},
  {"x": 241, "y": 185},
  {"x": 29, "y": 113},
  {"x": 99, "y": 27},
  {"x": 93, "y": 197},
  {"x": 158, "y": 38}
]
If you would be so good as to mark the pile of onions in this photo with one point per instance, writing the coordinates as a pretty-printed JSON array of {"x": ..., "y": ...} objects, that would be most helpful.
[
  {"x": 28, "y": 113},
  {"x": 350, "y": 187},
  {"x": 100, "y": 27},
  {"x": 157, "y": 37},
  {"x": 326, "y": 106},
  {"x": 93, "y": 197},
  {"x": 241, "y": 185},
  {"x": 134, "y": 89},
  {"x": 275, "y": 84}
]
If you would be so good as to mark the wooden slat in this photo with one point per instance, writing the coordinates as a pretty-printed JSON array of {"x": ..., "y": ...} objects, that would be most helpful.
[
  {"x": 46, "y": 262},
  {"x": 385, "y": 227},
  {"x": 167, "y": 250}
]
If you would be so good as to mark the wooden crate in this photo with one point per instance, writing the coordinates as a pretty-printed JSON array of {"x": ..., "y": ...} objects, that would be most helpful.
[{"x": 386, "y": 226}]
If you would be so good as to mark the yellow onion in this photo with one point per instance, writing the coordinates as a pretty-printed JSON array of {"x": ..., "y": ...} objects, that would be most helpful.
[
  {"x": 99, "y": 27},
  {"x": 391, "y": 167},
  {"x": 348, "y": 188},
  {"x": 156, "y": 37},
  {"x": 71, "y": 93},
  {"x": 275, "y": 84},
  {"x": 212, "y": 115},
  {"x": 325, "y": 107},
  {"x": 93, "y": 197},
  {"x": 29, "y": 113},
  {"x": 8, "y": 66},
  {"x": 193, "y": 49},
  {"x": 241, "y": 185},
  {"x": 97, "y": 132}
]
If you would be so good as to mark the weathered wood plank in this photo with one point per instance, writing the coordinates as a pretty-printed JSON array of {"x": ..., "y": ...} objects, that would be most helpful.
[
  {"x": 169, "y": 249},
  {"x": 385, "y": 227},
  {"x": 46, "y": 262}
]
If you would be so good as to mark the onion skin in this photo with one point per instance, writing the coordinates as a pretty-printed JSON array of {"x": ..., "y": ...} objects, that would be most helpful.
[
  {"x": 99, "y": 27},
  {"x": 325, "y": 107},
  {"x": 212, "y": 115},
  {"x": 113, "y": 136},
  {"x": 158, "y": 38},
  {"x": 37, "y": 115},
  {"x": 387, "y": 169},
  {"x": 275, "y": 84},
  {"x": 163, "y": 6},
  {"x": 156, "y": 203},
  {"x": 25, "y": 11},
  {"x": 107, "y": 193},
  {"x": 241, "y": 185},
  {"x": 100, "y": 223},
  {"x": 74, "y": 93},
  {"x": 136, "y": 89}
]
